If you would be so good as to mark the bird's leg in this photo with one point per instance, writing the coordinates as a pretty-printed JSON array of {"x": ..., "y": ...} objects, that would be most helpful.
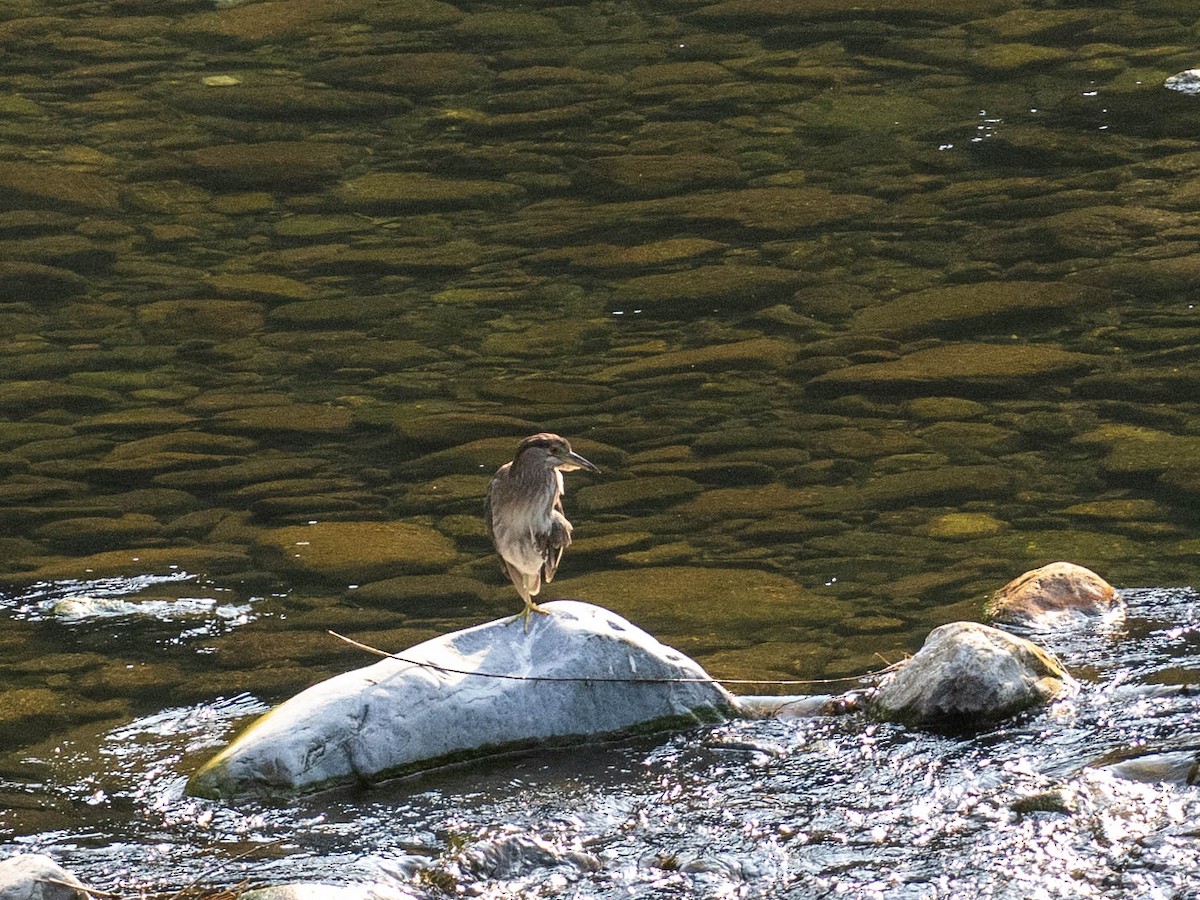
[{"x": 530, "y": 607}]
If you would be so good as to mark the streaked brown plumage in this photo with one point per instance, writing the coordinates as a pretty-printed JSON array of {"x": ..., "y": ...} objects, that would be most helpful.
[{"x": 524, "y": 513}]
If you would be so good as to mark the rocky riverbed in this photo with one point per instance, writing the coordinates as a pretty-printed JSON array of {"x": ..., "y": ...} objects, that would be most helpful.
[{"x": 860, "y": 315}]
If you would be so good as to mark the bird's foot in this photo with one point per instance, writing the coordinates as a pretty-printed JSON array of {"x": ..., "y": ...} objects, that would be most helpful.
[{"x": 530, "y": 607}]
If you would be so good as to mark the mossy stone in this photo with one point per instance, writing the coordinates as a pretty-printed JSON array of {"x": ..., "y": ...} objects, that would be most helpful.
[
  {"x": 144, "y": 418},
  {"x": 133, "y": 562},
  {"x": 696, "y": 601},
  {"x": 636, "y": 493},
  {"x": 402, "y": 191},
  {"x": 270, "y": 21},
  {"x": 269, "y": 164},
  {"x": 1008, "y": 57},
  {"x": 437, "y": 494},
  {"x": 942, "y": 409},
  {"x": 723, "y": 287},
  {"x": 447, "y": 429},
  {"x": 1123, "y": 510},
  {"x": 965, "y": 526},
  {"x": 920, "y": 488},
  {"x": 22, "y": 397},
  {"x": 31, "y": 281},
  {"x": 263, "y": 467},
  {"x": 507, "y": 28},
  {"x": 294, "y": 418},
  {"x": 60, "y": 448},
  {"x": 958, "y": 307},
  {"x": 14, "y": 434},
  {"x": 421, "y": 593},
  {"x": 956, "y": 437},
  {"x": 93, "y": 533},
  {"x": 660, "y": 555},
  {"x": 790, "y": 11},
  {"x": 410, "y": 74},
  {"x": 658, "y": 175},
  {"x": 261, "y": 286},
  {"x": 756, "y": 353},
  {"x": 54, "y": 187},
  {"x": 344, "y": 259},
  {"x": 613, "y": 256},
  {"x": 777, "y": 209},
  {"x": 749, "y": 502},
  {"x": 179, "y": 320},
  {"x": 359, "y": 552},
  {"x": 984, "y": 369},
  {"x": 281, "y": 100}
]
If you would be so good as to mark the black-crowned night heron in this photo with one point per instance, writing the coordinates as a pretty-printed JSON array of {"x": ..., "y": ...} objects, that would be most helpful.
[{"x": 525, "y": 515}]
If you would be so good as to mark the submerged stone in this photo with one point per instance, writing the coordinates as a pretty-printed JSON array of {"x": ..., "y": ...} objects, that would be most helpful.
[
  {"x": 399, "y": 716},
  {"x": 399, "y": 191},
  {"x": 359, "y": 551},
  {"x": 136, "y": 562},
  {"x": 658, "y": 176},
  {"x": 968, "y": 675},
  {"x": 54, "y": 187},
  {"x": 968, "y": 368},
  {"x": 24, "y": 281},
  {"x": 960, "y": 306},
  {"x": 702, "y": 288},
  {"x": 756, "y": 353},
  {"x": 269, "y": 164}
]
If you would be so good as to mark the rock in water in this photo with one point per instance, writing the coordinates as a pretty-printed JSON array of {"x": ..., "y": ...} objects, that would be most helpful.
[
  {"x": 966, "y": 675},
  {"x": 32, "y": 876},
  {"x": 396, "y": 717},
  {"x": 1057, "y": 591},
  {"x": 1186, "y": 82}
]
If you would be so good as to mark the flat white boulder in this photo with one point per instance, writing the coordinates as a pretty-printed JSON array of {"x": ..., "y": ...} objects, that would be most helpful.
[{"x": 397, "y": 717}]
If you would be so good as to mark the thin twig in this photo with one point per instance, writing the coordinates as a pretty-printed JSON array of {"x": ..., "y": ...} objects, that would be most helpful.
[
  {"x": 607, "y": 679},
  {"x": 94, "y": 892}
]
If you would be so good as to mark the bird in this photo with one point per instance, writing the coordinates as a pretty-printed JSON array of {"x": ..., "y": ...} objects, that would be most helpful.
[{"x": 524, "y": 513}]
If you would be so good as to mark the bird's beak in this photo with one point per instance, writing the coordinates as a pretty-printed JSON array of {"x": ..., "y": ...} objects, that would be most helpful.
[{"x": 575, "y": 461}]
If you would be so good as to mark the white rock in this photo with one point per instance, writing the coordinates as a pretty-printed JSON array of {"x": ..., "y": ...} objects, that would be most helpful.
[
  {"x": 396, "y": 717},
  {"x": 969, "y": 674},
  {"x": 1186, "y": 82},
  {"x": 32, "y": 876}
]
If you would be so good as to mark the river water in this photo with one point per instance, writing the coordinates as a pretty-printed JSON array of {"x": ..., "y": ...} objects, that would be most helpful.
[{"x": 861, "y": 312}]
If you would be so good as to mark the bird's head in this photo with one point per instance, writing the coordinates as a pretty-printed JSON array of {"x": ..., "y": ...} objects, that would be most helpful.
[{"x": 555, "y": 451}]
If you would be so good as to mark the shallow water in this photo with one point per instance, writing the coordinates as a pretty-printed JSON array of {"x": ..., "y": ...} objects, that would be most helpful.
[
  {"x": 797, "y": 808},
  {"x": 861, "y": 315}
]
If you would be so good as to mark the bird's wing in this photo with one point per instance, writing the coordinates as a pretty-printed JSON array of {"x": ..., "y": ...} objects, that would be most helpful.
[{"x": 553, "y": 544}]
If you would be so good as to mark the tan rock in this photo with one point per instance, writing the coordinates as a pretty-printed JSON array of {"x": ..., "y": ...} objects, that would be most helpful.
[{"x": 1057, "y": 588}]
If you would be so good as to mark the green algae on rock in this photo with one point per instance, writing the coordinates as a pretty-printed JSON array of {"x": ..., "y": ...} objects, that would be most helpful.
[
  {"x": 756, "y": 353},
  {"x": 131, "y": 562},
  {"x": 23, "y": 184},
  {"x": 359, "y": 551},
  {"x": 400, "y": 191},
  {"x": 690, "y": 600},
  {"x": 970, "y": 369},
  {"x": 967, "y": 306}
]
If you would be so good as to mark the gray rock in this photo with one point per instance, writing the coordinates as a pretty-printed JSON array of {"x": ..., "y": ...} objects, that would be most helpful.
[
  {"x": 397, "y": 717},
  {"x": 32, "y": 876},
  {"x": 966, "y": 675}
]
